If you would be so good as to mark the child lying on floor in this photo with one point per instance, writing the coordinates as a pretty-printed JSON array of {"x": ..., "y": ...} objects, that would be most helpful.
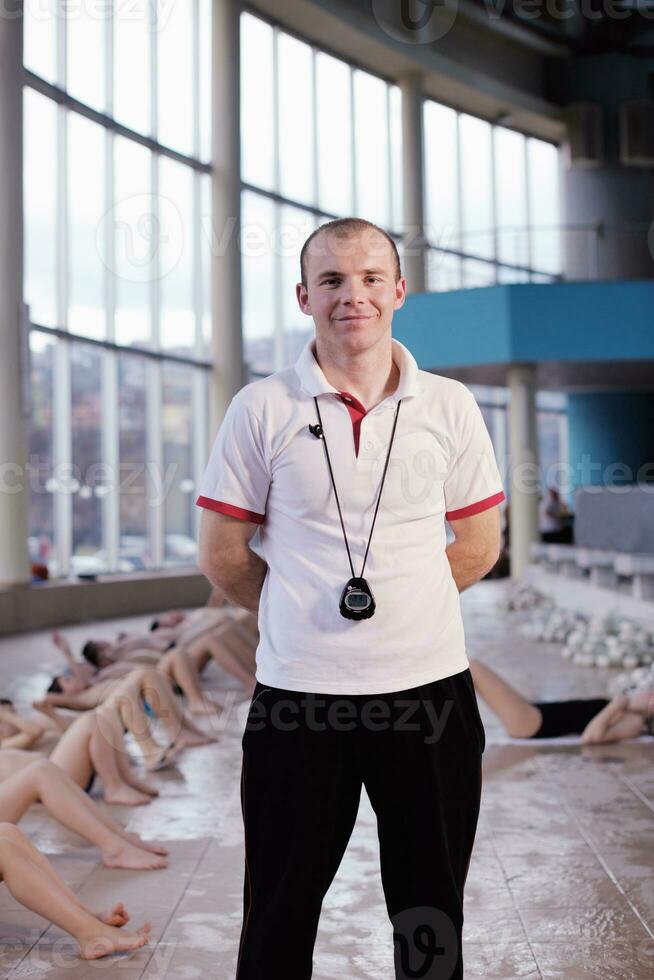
[
  {"x": 34, "y": 883},
  {"x": 597, "y": 720},
  {"x": 179, "y": 651},
  {"x": 83, "y": 746}
]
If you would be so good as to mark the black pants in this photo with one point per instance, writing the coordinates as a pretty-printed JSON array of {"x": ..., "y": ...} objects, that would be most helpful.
[
  {"x": 305, "y": 758},
  {"x": 567, "y": 717}
]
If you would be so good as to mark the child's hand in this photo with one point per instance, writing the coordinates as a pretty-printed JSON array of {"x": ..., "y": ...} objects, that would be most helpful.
[{"x": 41, "y": 705}]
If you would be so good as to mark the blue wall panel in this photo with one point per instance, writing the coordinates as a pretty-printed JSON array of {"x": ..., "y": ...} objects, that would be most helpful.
[
  {"x": 575, "y": 321},
  {"x": 607, "y": 428}
]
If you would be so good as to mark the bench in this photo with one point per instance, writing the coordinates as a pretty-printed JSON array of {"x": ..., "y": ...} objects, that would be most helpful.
[
  {"x": 640, "y": 569},
  {"x": 599, "y": 564}
]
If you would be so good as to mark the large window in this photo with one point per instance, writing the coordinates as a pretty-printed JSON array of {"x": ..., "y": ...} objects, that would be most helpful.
[
  {"x": 492, "y": 203},
  {"x": 320, "y": 138},
  {"x": 552, "y": 434},
  {"x": 117, "y": 241},
  {"x": 41, "y": 449}
]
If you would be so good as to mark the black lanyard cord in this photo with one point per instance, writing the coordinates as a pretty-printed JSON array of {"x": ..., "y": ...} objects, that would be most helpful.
[{"x": 388, "y": 455}]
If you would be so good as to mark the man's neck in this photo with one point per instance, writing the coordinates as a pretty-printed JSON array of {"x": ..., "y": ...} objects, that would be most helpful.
[{"x": 370, "y": 375}]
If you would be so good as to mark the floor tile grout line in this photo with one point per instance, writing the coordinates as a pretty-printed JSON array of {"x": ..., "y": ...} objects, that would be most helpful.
[
  {"x": 502, "y": 836},
  {"x": 515, "y": 904},
  {"x": 634, "y": 789},
  {"x": 50, "y": 925},
  {"x": 159, "y": 944},
  {"x": 608, "y": 871},
  {"x": 27, "y": 952}
]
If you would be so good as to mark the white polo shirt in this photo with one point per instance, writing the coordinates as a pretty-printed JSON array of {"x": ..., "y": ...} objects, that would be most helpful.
[{"x": 268, "y": 468}]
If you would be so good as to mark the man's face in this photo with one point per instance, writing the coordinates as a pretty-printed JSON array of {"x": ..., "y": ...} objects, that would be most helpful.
[{"x": 351, "y": 291}]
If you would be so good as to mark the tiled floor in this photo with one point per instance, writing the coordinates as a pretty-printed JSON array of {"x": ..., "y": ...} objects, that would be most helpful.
[{"x": 561, "y": 882}]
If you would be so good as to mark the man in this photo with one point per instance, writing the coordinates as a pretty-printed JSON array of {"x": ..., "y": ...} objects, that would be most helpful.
[{"x": 362, "y": 679}]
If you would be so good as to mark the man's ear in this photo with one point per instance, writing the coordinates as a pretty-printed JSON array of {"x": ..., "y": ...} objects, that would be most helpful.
[
  {"x": 400, "y": 293},
  {"x": 303, "y": 298}
]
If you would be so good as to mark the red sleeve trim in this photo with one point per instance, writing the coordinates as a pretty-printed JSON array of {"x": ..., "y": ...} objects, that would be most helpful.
[
  {"x": 222, "y": 508},
  {"x": 455, "y": 515}
]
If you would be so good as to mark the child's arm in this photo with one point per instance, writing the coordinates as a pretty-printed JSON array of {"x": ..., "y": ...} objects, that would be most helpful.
[
  {"x": 142, "y": 641},
  {"x": 61, "y": 722},
  {"x": 81, "y": 670},
  {"x": 123, "y": 667},
  {"x": 597, "y": 727},
  {"x": 29, "y": 732},
  {"x": 83, "y": 701},
  {"x": 63, "y": 646}
]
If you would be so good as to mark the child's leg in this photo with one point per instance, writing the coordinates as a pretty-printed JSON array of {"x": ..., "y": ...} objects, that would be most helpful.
[
  {"x": 71, "y": 753},
  {"x": 196, "y": 648},
  {"x": 246, "y": 624},
  {"x": 179, "y": 666},
  {"x": 106, "y": 748},
  {"x": 520, "y": 718},
  {"x": 23, "y": 845},
  {"x": 242, "y": 644},
  {"x": 70, "y": 805},
  {"x": 34, "y": 883},
  {"x": 224, "y": 657},
  {"x": 129, "y": 777},
  {"x": 157, "y": 691},
  {"x": 199, "y": 654},
  {"x": 127, "y": 703}
]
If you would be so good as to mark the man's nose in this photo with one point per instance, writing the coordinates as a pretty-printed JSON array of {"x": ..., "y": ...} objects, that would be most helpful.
[{"x": 352, "y": 295}]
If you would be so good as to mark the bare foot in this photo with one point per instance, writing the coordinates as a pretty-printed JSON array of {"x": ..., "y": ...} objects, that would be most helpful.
[
  {"x": 205, "y": 707},
  {"x": 126, "y": 796},
  {"x": 143, "y": 787},
  {"x": 164, "y": 758},
  {"x": 146, "y": 845},
  {"x": 132, "y": 857},
  {"x": 188, "y": 739},
  {"x": 106, "y": 940},
  {"x": 118, "y": 916}
]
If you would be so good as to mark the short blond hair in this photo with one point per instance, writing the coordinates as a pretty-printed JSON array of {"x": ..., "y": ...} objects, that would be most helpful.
[{"x": 344, "y": 228}]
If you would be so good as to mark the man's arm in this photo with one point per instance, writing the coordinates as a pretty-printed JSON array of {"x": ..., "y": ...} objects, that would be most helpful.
[
  {"x": 227, "y": 560},
  {"x": 476, "y": 546}
]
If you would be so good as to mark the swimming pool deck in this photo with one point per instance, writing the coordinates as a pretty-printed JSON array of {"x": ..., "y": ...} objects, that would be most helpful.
[{"x": 561, "y": 882}]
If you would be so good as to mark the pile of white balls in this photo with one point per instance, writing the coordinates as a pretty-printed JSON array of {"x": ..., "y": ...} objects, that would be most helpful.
[
  {"x": 524, "y": 596},
  {"x": 610, "y": 641},
  {"x": 630, "y": 681},
  {"x": 596, "y": 641}
]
